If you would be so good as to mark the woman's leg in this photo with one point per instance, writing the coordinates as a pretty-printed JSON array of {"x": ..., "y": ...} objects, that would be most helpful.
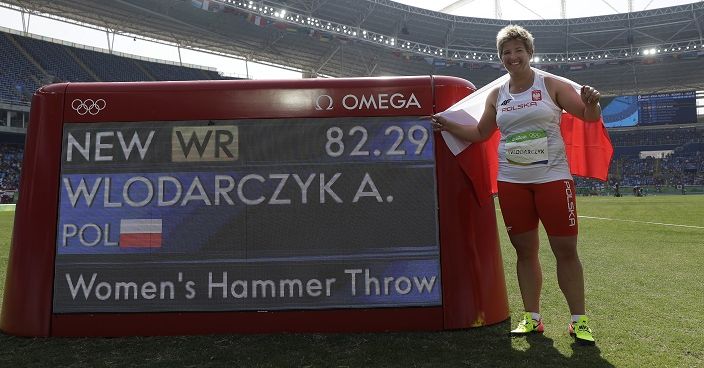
[
  {"x": 518, "y": 209},
  {"x": 570, "y": 276},
  {"x": 530, "y": 275},
  {"x": 556, "y": 206}
]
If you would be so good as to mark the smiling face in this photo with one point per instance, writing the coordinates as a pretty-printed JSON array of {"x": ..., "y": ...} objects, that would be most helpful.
[{"x": 515, "y": 56}]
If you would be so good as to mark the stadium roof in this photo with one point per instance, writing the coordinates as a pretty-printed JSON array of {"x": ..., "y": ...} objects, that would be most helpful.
[
  {"x": 544, "y": 9},
  {"x": 381, "y": 37}
]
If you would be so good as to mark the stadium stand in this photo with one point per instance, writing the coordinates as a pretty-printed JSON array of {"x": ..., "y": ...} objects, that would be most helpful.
[
  {"x": 679, "y": 168},
  {"x": 28, "y": 63},
  {"x": 10, "y": 166},
  {"x": 172, "y": 72},
  {"x": 54, "y": 59},
  {"x": 654, "y": 139},
  {"x": 109, "y": 68},
  {"x": 18, "y": 76},
  {"x": 682, "y": 168}
]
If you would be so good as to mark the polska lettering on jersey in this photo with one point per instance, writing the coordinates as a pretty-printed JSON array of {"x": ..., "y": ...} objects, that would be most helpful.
[
  {"x": 519, "y": 106},
  {"x": 569, "y": 194}
]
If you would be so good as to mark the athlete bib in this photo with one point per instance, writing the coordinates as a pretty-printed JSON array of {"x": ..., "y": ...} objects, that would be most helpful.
[{"x": 527, "y": 148}]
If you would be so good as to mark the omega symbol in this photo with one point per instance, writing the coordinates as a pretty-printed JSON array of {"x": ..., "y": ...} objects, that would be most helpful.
[{"x": 324, "y": 99}]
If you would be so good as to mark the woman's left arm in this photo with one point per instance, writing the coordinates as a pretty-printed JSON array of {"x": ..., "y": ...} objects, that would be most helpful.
[{"x": 584, "y": 105}]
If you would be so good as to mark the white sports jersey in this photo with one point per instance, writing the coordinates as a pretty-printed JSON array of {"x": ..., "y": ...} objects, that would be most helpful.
[{"x": 531, "y": 149}]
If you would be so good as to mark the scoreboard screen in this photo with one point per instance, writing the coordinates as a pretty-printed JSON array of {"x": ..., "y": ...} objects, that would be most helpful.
[
  {"x": 240, "y": 206},
  {"x": 237, "y": 215},
  {"x": 667, "y": 108}
]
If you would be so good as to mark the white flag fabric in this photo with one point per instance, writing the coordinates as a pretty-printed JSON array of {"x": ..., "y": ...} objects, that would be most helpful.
[{"x": 469, "y": 110}]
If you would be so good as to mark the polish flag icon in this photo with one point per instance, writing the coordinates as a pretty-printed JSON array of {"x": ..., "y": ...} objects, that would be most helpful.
[{"x": 140, "y": 233}]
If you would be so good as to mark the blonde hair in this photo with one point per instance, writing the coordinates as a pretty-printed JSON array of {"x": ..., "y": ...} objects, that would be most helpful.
[{"x": 514, "y": 32}]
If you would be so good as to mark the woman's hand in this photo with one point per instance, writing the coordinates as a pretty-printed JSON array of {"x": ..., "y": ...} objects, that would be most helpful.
[
  {"x": 438, "y": 123},
  {"x": 589, "y": 95},
  {"x": 470, "y": 130}
]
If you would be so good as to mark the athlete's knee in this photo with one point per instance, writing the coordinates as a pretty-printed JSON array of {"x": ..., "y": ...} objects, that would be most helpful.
[
  {"x": 526, "y": 246},
  {"x": 564, "y": 248}
]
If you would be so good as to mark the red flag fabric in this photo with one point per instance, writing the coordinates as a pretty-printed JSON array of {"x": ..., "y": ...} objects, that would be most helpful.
[
  {"x": 474, "y": 159},
  {"x": 588, "y": 147}
]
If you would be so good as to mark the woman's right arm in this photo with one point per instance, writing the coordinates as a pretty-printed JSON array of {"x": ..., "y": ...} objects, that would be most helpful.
[{"x": 471, "y": 133}]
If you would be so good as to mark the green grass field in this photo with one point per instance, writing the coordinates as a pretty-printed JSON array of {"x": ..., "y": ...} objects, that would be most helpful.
[{"x": 645, "y": 295}]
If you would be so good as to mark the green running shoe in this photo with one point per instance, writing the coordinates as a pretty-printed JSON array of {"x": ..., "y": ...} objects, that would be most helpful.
[
  {"x": 528, "y": 326},
  {"x": 581, "y": 332}
]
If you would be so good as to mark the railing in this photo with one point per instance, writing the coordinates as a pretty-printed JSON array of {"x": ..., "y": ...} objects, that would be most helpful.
[
  {"x": 5, "y": 101},
  {"x": 640, "y": 191}
]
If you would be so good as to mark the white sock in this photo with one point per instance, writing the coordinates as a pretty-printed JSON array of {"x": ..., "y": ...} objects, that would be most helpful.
[
  {"x": 535, "y": 316},
  {"x": 575, "y": 317}
]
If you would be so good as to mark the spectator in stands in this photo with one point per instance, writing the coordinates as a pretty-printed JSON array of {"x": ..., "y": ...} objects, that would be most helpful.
[
  {"x": 668, "y": 174},
  {"x": 10, "y": 166},
  {"x": 655, "y": 137},
  {"x": 534, "y": 176}
]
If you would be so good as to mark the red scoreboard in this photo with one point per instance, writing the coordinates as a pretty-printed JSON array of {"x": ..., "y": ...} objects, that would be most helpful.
[{"x": 324, "y": 205}]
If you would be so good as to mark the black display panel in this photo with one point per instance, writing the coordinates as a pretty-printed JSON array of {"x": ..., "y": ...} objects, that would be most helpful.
[
  {"x": 667, "y": 108},
  {"x": 247, "y": 215}
]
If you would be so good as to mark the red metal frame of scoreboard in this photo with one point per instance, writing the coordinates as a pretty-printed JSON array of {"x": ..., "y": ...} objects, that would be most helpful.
[{"x": 473, "y": 287}]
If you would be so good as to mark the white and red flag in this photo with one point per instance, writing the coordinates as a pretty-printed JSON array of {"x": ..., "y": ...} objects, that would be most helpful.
[
  {"x": 140, "y": 233},
  {"x": 587, "y": 144}
]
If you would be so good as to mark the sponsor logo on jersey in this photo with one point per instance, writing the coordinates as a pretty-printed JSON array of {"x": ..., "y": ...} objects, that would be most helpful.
[{"x": 519, "y": 106}]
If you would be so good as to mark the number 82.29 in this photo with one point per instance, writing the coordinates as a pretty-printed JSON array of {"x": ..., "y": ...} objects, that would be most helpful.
[{"x": 416, "y": 135}]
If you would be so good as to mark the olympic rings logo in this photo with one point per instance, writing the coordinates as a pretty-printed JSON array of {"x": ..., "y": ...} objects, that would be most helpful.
[{"x": 88, "y": 106}]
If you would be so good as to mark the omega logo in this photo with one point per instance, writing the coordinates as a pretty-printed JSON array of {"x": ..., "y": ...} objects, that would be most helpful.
[
  {"x": 380, "y": 101},
  {"x": 325, "y": 100}
]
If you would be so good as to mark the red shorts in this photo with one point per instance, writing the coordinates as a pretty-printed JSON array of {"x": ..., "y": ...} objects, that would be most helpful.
[{"x": 553, "y": 203}]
